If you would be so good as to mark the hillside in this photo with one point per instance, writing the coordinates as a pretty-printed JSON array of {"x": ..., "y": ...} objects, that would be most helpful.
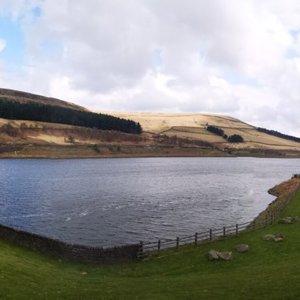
[
  {"x": 193, "y": 126},
  {"x": 38, "y": 126},
  {"x": 35, "y": 111},
  {"x": 24, "y": 97}
]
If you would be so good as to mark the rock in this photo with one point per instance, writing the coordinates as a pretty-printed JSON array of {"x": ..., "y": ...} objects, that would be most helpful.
[
  {"x": 242, "y": 248},
  {"x": 83, "y": 273},
  {"x": 286, "y": 220},
  {"x": 213, "y": 255},
  {"x": 216, "y": 255},
  {"x": 278, "y": 237},
  {"x": 225, "y": 255},
  {"x": 268, "y": 237},
  {"x": 273, "y": 237}
]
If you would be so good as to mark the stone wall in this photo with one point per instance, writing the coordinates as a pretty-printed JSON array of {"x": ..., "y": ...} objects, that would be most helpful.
[{"x": 71, "y": 252}]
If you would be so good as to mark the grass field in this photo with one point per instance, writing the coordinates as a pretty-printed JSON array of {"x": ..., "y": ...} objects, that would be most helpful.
[{"x": 268, "y": 270}]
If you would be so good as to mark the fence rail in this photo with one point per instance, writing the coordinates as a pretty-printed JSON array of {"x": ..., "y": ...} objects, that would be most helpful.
[{"x": 267, "y": 217}]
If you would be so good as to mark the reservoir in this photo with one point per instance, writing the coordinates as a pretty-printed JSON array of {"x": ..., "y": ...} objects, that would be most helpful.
[{"x": 106, "y": 202}]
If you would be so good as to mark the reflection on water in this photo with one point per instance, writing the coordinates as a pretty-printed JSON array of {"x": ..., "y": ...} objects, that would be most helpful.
[{"x": 117, "y": 201}]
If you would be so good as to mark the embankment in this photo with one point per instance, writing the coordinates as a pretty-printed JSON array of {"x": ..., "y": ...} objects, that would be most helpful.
[{"x": 284, "y": 192}]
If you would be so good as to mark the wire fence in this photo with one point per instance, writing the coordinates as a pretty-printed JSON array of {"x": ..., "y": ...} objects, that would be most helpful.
[{"x": 267, "y": 217}]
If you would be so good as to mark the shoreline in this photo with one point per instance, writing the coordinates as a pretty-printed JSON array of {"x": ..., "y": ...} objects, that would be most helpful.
[
  {"x": 136, "y": 156},
  {"x": 143, "y": 156},
  {"x": 284, "y": 192},
  {"x": 159, "y": 154},
  {"x": 119, "y": 150}
]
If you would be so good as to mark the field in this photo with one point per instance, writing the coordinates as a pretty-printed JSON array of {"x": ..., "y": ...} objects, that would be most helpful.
[{"x": 268, "y": 270}]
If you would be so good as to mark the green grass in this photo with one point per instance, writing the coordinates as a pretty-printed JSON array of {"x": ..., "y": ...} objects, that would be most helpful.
[{"x": 268, "y": 271}]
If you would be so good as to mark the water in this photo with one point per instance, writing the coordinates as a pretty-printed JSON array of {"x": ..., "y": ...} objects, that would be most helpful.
[{"x": 119, "y": 201}]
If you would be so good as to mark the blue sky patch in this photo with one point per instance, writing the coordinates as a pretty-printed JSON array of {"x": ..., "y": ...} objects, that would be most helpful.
[
  {"x": 11, "y": 32},
  {"x": 36, "y": 11},
  {"x": 236, "y": 78},
  {"x": 157, "y": 57},
  {"x": 51, "y": 48}
]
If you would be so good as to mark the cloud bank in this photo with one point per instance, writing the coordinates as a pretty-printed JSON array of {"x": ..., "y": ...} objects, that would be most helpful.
[{"x": 240, "y": 58}]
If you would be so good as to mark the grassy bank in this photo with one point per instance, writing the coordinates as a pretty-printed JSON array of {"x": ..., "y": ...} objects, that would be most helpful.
[{"x": 268, "y": 271}]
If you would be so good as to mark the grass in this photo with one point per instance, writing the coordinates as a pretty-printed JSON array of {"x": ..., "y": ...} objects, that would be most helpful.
[{"x": 268, "y": 271}]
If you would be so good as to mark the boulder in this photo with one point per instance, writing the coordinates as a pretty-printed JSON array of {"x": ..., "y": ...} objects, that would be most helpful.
[
  {"x": 213, "y": 255},
  {"x": 273, "y": 237},
  {"x": 216, "y": 255},
  {"x": 286, "y": 220},
  {"x": 225, "y": 255},
  {"x": 268, "y": 237},
  {"x": 278, "y": 237},
  {"x": 242, "y": 248}
]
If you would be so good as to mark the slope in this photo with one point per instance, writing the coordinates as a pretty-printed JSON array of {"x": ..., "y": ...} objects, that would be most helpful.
[
  {"x": 190, "y": 125},
  {"x": 24, "y": 97}
]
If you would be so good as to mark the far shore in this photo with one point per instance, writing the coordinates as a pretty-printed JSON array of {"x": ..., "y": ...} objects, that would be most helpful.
[{"x": 131, "y": 151}]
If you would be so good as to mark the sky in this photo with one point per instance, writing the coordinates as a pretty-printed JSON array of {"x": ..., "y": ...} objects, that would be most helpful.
[{"x": 232, "y": 57}]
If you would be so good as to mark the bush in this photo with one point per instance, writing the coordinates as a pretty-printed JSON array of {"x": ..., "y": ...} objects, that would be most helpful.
[
  {"x": 235, "y": 138},
  {"x": 216, "y": 130}
]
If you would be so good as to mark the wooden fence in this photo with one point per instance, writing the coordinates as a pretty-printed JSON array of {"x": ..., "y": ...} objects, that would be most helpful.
[{"x": 269, "y": 217}]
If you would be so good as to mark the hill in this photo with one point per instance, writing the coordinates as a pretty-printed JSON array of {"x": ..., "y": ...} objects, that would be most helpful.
[
  {"x": 51, "y": 113},
  {"x": 37, "y": 126},
  {"x": 194, "y": 126},
  {"x": 24, "y": 97}
]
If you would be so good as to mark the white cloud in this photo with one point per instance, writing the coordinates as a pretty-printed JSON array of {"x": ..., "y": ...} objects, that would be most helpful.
[{"x": 236, "y": 57}]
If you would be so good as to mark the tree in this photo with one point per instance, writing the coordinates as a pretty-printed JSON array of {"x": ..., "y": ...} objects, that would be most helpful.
[
  {"x": 216, "y": 130},
  {"x": 57, "y": 114},
  {"x": 235, "y": 138}
]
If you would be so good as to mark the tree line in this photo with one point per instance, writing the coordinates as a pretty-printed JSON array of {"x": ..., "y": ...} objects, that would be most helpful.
[
  {"x": 235, "y": 138},
  {"x": 279, "y": 134},
  {"x": 56, "y": 114}
]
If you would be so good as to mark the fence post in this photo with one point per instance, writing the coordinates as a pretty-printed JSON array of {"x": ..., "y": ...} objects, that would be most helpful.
[
  {"x": 158, "y": 246},
  {"x": 210, "y": 234},
  {"x": 196, "y": 238},
  {"x": 272, "y": 219},
  {"x": 177, "y": 242},
  {"x": 236, "y": 229},
  {"x": 141, "y": 249},
  {"x": 224, "y": 231}
]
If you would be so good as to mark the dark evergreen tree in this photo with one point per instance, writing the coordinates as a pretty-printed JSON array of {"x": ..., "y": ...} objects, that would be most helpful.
[
  {"x": 57, "y": 114},
  {"x": 279, "y": 134}
]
